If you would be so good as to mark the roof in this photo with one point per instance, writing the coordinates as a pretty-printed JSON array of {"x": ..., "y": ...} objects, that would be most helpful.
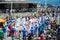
[{"x": 18, "y": 2}]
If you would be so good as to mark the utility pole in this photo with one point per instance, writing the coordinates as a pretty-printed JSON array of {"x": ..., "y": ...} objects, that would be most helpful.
[{"x": 11, "y": 8}]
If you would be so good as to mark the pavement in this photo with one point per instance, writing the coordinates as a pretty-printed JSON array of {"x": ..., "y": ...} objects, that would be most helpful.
[
  {"x": 35, "y": 38},
  {"x": 10, "y": 38},
  {"x": 2, "y": 15}
]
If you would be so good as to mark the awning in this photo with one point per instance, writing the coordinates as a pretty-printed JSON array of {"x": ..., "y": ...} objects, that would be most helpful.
[{"x": 2, "y": 20}]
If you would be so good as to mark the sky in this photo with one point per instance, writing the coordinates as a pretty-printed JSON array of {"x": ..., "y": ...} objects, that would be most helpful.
[{"x": 52, "y": 2}]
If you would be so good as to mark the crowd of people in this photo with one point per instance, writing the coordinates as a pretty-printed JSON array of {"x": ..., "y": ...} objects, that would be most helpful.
[{"x": 33, "y": 25}]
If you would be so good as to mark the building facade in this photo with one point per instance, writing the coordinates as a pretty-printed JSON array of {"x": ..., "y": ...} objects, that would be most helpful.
[
  {"x": 12, "y": 0},
  {"x": 17, "y": 6}
]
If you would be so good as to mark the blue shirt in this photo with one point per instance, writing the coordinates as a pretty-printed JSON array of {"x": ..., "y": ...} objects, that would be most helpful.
[
  {"x": 32, "y": 30},
  {"x": 36, "y": 27},
  {"x": 41, "y": 26},
  {"x": 13, "y": 30},
  {"x": 24, "y": 32},
  {"x": 42, "y": 31},
  {"x": 4, "y": 29},
  {"x": 52, "y": 14}
]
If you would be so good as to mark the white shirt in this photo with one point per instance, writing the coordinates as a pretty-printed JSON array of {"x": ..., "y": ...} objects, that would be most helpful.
[
  {"x": 40, "y": 18},
  {"x": 23, "y": 21},
  {"x": 31, "y": 20},
  {"x": 49, "y": 26},
  {"x": 0, "y": 28},
  {"x": 52, "y": 19},
  {"x": 18, "y": 22}
]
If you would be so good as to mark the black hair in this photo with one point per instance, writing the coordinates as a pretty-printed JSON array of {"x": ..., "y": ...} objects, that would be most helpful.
[
  {"x": 1, "y": 25},
  {"x": 19, "y": 31}
]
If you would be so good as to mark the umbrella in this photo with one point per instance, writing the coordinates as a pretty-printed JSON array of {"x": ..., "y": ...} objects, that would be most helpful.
[{"x": 2, "y": 20}]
